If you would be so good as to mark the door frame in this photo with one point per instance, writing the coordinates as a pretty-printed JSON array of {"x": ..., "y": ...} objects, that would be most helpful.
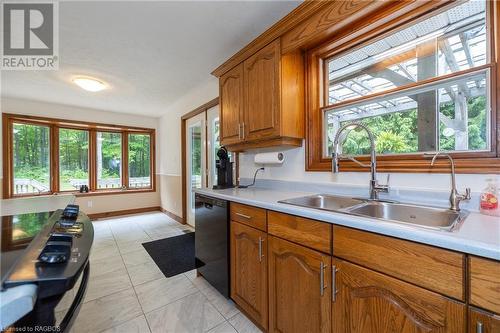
[
  {"x": 184, "y": 118},
  {"x": 198, "y": 122}
]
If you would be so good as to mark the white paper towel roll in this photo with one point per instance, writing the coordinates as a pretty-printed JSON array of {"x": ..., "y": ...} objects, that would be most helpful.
[{"x": 269, "y": 158}]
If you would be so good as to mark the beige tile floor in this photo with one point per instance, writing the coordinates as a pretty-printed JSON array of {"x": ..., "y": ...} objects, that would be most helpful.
[{"x": 128, "y": 293}]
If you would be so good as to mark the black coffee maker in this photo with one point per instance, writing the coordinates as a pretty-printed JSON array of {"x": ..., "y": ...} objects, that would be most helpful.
[{"x": 224, "y": 170}]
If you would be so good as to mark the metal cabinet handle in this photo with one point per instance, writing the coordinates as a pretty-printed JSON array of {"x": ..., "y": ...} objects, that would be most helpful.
[
  {"x": 260, "y": 249},
  {"x": 334, "y": 287},
  {"x": 239, "y": 131},
  {"x": 248, "y": 217},
  {"x": 322, "y": 286},
  {"x": 479, "y": 327},
  {"x": 243, "y": 130}
]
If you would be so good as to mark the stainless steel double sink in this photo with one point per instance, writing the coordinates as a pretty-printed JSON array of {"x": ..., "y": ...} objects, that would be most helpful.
[{"x": 416, "y": 215}]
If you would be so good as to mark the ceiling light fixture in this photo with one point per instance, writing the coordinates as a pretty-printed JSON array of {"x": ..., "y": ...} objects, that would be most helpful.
[{"x": 89, "y": 84}]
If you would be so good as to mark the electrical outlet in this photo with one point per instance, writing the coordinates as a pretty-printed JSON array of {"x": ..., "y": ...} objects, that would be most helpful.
[{"x": 89, "y": 203}]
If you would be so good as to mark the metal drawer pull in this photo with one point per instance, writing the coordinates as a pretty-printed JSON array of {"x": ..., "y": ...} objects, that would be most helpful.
[
  {"x": 260, "y": 249},
  {"x": 244, "y": 216},
  {"x": 334, "y": 288},
  {"x": 479, "y": 327},
  {"x": 322, "y": 286}
]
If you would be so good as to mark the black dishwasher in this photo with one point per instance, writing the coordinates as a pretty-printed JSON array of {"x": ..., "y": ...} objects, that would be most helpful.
[{"x": 212, "y": 241}]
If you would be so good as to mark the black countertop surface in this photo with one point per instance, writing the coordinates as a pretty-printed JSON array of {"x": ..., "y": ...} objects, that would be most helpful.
[
  {"x": 24, "y": 236},
  {"x": 18, "y": 231}
]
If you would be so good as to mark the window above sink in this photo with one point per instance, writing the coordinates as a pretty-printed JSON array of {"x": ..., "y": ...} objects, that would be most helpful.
[{"x": 421, "y": 85}]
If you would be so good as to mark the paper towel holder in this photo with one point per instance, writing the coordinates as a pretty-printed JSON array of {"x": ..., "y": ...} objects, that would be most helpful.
[{"x": 269, "y": 158}]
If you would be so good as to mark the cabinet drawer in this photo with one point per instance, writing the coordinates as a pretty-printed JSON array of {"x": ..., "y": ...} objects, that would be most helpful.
[
  {"x": 485, "y": 283},
  {"x": 252, "y": 216},
  {"x": 310, "y": 233},
  {"x": 426, "y": 266}
]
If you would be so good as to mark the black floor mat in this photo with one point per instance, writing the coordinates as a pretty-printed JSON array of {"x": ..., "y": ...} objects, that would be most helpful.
[{"x": 173, "y": 255}]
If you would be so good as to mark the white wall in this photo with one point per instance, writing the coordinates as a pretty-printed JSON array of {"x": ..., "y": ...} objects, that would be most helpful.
[
  {"x": 293, "y": 169},
  {"x": 170, "y": 138}
]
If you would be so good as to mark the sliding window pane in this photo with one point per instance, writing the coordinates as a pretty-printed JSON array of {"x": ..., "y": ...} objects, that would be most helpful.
[
  {"x": 450, "y": 116},
  {"x": 31, "y": 153},
  {"x": 73, "y": 159},
  {"x": 139, "y": 160},
  {"x": 109, "y": 157},
  {"x": 445, "y": 43}
]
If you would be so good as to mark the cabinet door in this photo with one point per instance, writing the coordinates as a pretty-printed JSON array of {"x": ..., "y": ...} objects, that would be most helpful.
[
  {"x": 262, "y": 102},
  {"x": 367, "y": 301},
  {"x": 483, "y": 322},
  {"x": 299, "y": 288},
  {"x": 231, "y": 105},
  {"x": 249, "y": 271}
]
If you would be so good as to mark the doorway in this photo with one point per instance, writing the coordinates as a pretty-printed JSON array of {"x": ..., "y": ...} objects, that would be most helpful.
[{"x": 200, "y": 133}]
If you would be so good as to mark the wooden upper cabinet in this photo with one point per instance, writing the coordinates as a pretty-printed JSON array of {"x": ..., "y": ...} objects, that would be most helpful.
[
  {"x": 249, "y": 271},
  {"x": 367, "y": 301},
  {"x": 261, "y": 86},
  {"x": 299, "y": 288},
  {"x": 231, "y": 105},
  {"x": 262, "y": 100}
]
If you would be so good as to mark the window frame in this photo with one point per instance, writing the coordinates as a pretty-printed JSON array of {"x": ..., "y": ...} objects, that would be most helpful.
[
  {"x": 54, "y": 125},
  {"x": 57, "y": 146},
  {"x": 316, "y": 59},
  {"x": 127, "y": 151},
  {"x": 95, "y": 180}
]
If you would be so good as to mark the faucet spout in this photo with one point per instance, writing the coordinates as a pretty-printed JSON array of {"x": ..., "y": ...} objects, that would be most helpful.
[
  {"x": 375, "y": 187},
  {"x": 455, "y": 196}
]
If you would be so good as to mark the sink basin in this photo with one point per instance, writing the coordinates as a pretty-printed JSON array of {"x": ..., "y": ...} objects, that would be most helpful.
[
  {"x": 427, "y": 217},
  {"x": 324, "y": 202},
  {"x": 415, "y": 215}
]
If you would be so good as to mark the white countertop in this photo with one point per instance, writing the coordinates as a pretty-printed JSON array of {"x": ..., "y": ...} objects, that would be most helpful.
[{"x": 478, "y": 234}]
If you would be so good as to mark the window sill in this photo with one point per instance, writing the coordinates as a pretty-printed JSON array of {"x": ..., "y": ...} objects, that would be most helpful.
[
  {"x": 397, "y": 164},
  {"x": 112, "y": 192},
  {"x": 89, "y": 194}
]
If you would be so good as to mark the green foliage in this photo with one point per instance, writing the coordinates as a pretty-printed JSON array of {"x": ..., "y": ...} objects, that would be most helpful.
[
  {"x": 394, "y": 133},
  {"x": 389, "y": 142},
  {"x": 139, "y": 155},
  {"x": 31, "y": 152},
  {"x": 32, "y": 155},
  {"x": 398, "y": 132},
  {"x": 111, "y": 154},
  {"x": 28, "y": 225},
  {"x": 73, "y": 156}
]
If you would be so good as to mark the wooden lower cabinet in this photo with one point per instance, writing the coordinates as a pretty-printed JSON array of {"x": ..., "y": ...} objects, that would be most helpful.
[
  {"x": 249, "y": 271},
  {"x": 299, "y": 288},
  {"x": 367, "y": 301},
  {"x": 483, "y": 322}
]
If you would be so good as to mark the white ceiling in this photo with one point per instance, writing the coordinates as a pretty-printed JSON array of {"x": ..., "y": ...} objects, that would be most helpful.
[{"x": 150, "y": 53}]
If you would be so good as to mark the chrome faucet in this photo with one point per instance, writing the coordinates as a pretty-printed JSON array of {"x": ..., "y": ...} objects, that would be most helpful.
[
  {"x": 455, "y": 197},
  {"x": 375, "y": 187}
]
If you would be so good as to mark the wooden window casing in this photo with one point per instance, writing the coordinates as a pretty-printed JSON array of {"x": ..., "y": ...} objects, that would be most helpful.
[
  {"x": 54, "y": 125},
  {"x": 466, "y": 162}
]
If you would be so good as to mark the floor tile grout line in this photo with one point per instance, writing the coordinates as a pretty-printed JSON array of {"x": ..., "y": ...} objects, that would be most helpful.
[
  {"x": 197, "y": 289},
  {"x": 133, "y": 288},
  {"x": 142, "y": 315},
  {"x": 135, "y": 292},
  {"x": 200, "y": 289},
  {"x": 169, "y": 303}
]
